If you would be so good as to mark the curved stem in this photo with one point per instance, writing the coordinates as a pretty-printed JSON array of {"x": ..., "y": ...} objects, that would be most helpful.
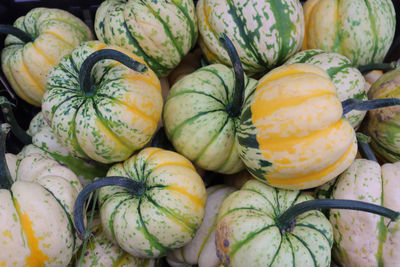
[
  {"x": 20, "y": 34},
  {"x": 85, "y": 73},
  {"x": 285, "y": 220},
  {"x": 379, "y": 66},
  {"x": 365, "y": 149},
  {"x": 355, "y": 104},
  {"x": 10, "y": 118},
  {"x": 5, "y": 177},
  {"x": 134, "y": 187},
  {"x": 237, "y": 101}
]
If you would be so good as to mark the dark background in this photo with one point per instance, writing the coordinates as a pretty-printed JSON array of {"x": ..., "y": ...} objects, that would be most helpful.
[{"x": 10, "y": 10}]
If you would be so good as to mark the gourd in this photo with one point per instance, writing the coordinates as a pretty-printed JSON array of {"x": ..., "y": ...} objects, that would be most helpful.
[
  {"x": 265, "y": 33},
  {"x": 360, "y": 30},
  {"x": 347, "y": 79},
  {"x": 150, "y": 204},
  {"x": 159, "y": 32},
  {"x": 35, "y": 44},
  {"x": 202, "y": 112},
  {"x": 263, "y": 226},
  {"x": 37, "y": 197},
  {"x": 201, "y": 250},
  {"x": 40, "y": 139},
  {"x": 107, "y": 110},
  {"x": 100, "y": 251},
  {"x": 366, "y": 239}
]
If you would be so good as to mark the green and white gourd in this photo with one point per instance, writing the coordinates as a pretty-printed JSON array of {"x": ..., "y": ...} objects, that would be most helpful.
[
  {"x": 201, "y": 250},
  {"x": 160, "y": 32},
  {"x": 265, "y": 33},
  {"x": 347, "y": 79}
]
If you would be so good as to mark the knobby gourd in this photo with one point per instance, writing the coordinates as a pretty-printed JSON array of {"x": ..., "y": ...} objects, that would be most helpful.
[
  {"x": 102, "y": 109},
  {"x": 37, "y": 197},
  {"x": 159, "y": 32},
  {"x": 264, "y": 226},
  {"x": 35, "y": 44},
  {"x": 360, "y": 30},
  {"x": 265, "y": 33},
  {"x": 150, "y": 204}
]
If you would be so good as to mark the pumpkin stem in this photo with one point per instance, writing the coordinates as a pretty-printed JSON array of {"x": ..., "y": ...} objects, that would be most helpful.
[
  {"x": 365, "y": 149},
  {"x": 237, "y": 101},
  {"x": 355, "y": 104},
  {"x": 286, "y": 219},
  {"x": 134, "y": 187},
  {"x": 85, "y": 73},
  {"x": 20, "y": 34},
  {"x": 379, "y": 66},
  {"x": 10, "y": 118},
  {"x": 5, "y": 177}
]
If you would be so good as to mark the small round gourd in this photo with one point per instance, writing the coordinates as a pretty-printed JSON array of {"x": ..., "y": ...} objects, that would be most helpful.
[
  {"x": 50, "y": 35},
  {"x": 292, "y": 134},
  {"x": 201, "y": 250},
  {"x": 347, "y": 79},
  {"x": 159, "y": 32},
  {"x": 107, "y": 113},
  {"x": 265, "y": 33},
  {"x": 361, "y": 30},
  {"x": 156, "y": 208}
]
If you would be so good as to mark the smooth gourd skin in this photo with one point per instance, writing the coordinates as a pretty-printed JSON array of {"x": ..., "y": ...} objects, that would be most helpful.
[
  {"x": 36, "y": 215},
  {"x": 265, "y": 33},
  {"x": 198, "y": 122},
  {"x": 201, "y": 250},
  {"x": 383, "y": 124},
  {"x": 120, "y": 117},
  {"x": 159, "y": 32},
  {"x": 361, "y": 30},
  {"x": 165, "y": 215},
  {"x": 102, "y": 252},
  {"x": 247, "y": 234},
  {"x": 26, "y": 65},
  {"x": 363, "y": 239},
  {"x": 292, "y": 134},
  {"x": 347, "y": 79}
]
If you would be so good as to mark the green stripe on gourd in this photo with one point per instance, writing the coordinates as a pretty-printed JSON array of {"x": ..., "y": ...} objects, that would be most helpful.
[
  {"x": 265, "y": 33},
  {"x": 160, "y": 32},
  {"x": 348, "y": 81}
]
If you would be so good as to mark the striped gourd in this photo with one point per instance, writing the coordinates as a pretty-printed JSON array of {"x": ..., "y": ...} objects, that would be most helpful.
[
  {"x": 159, "y": 32},
  {"x": 37, "y": 197},
  {"x": 201, "y": 250},
  {"x": 361, "y": 30},
  {"x": 292, "y": 134},
  {"x": 106, "y": 114},
  {"x": 348, "y": 80},
  {"x": 150, "y": 204},
  {"x": 265, "y": 33},
  {"x": 52, "y": 34}
]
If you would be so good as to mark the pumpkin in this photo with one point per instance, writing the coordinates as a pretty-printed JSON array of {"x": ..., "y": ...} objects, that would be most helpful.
[
  {"x": 156, "y": 208},
  {"x": 292, "y": 134},
  {"x": 107, "y": 113},
  {"x": 35, "y": 44},
  {"x": 264, "y": 226},
  {"x": 202, "y": 112},
  {"x": 201, "y": 250},
  {"x": 37, "y": 197},
  {"x": 238, "y": 179},
  {"x": 348, "y": 80},
  {"x": 383, "y": 124},
  {"x": 159, "y": 32},
  {"x": 367, "y": 239},
  {"x": 360, "y": 30},
  {"x": 265, "y": 33},
  {"x": 102, "y": 252}
]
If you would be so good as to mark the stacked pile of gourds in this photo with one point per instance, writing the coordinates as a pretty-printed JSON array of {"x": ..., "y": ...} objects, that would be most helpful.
[{"x": 249, "y": 108}]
